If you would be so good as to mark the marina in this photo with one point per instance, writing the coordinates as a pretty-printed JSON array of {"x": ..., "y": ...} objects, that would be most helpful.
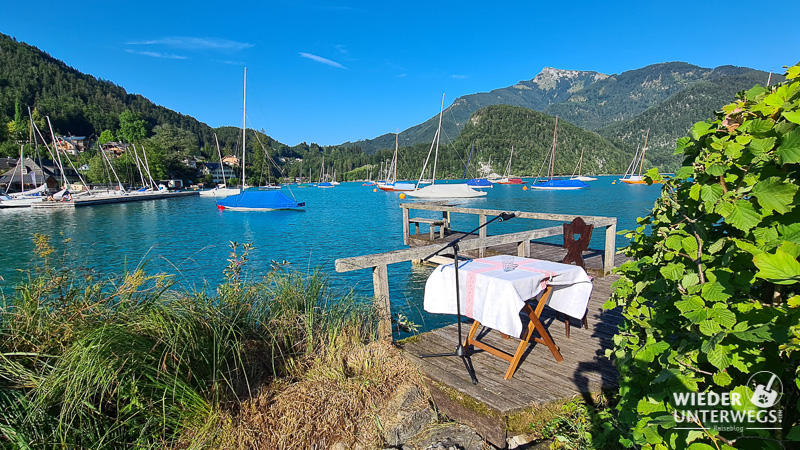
[{"x": 111, "y": 199}]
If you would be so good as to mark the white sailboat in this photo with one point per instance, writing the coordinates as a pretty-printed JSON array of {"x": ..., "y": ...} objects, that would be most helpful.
[
  {"x": 638, "y": 159},
  {"x": 222, "y": 190},
  {"x": 577, "y": 174},
  {"x": 441, "y": 190},
  {"x": 394, "y": 185},
  {"x": 507, "y": 178}
]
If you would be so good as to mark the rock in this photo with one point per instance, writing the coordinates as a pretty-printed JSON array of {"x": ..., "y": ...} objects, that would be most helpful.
[
  {"x": 452, "y": 436},
  {"x": 405, "y": 416}
]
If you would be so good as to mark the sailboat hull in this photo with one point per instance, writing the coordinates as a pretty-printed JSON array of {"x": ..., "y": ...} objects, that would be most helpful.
[
  {"x": 446, "y": 191},
  {"x": 220, "y": 192},
  {"x": 397, "y": 187},
  {"x": 560, "y": 185},
  {"x": 583, "y": 178}
]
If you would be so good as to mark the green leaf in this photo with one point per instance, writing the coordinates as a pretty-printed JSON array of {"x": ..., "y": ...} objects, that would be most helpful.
[
  {"x": 700, "y": 129},
  {"x": 724, "y": 317},
  {"x": 792, "y": 116},
  {"x": 694, "y": 192},
  {"x": 674, "y": 241},
  {"x": 743, "y": 216},
  {"x": 719, "y": 356},
  {"x": 789, "y": 150},
  {"x": 754, "y": 92},
  {"x": 761, "y": 146},
  {"x": 757, "y": 126},
  {"x": 793, "y": 72},
  {"x": 690, "y": 279},
  {"x": 690, "y": 304},
  {"x": 722, "y": 378},
  {"x": 673, "y": 271},
  {"x": 710, "y": 193},
  {"x": 779, "y": 268},
  {"x": 775, "y": 194},
  {"x": 716, "y": 169},
  {"x": 709, "y": 327},
  {"x": 689, "y": 244},
  {"x": 716, "y": 246},
  {"x": 714, "y": 291}
]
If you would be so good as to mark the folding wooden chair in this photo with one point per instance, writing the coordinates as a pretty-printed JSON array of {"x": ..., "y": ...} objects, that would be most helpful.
[{"x": 535, "y": 323}]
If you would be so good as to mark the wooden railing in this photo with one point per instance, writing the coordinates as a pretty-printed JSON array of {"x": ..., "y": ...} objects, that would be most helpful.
[{"x": 379, "y": 262}]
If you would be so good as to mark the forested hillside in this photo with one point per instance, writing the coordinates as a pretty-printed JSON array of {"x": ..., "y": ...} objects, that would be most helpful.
[{"x": 77, "y": 103}]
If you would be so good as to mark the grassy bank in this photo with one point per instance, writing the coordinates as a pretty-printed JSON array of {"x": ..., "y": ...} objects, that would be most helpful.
[{"x": 129, "y": 361}]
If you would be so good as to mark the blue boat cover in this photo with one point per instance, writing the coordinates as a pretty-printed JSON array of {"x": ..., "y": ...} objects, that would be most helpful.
[
  {"x": 483, "y": 182},
  {"x": 562, "y": 184},
  {"x": 260, "y": 200}
]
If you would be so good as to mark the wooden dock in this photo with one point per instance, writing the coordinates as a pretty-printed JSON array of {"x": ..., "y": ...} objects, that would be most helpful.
[
  {"x": 109, "y": 199},
  {"x": 539, "y": 379},
  {"x": 495, "y": 406}
]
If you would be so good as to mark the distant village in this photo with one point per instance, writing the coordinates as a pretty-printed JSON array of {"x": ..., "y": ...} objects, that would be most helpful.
[{"x": 35, "y": 172}]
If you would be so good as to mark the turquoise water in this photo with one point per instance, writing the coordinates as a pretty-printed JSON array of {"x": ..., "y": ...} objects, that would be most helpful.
[{"x": 189, "y": 237}]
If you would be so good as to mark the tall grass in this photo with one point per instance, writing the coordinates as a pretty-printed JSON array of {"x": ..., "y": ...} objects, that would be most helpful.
[{"x": 130, "y": 362}]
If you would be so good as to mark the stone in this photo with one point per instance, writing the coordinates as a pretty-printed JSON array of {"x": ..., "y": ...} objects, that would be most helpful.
[
  {"x": 451, "y": 436},
  {"x": 406, "y": 414}
]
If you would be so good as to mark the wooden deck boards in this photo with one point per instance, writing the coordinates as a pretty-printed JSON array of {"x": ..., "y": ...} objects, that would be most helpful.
[{"x": 539, "y": 379}]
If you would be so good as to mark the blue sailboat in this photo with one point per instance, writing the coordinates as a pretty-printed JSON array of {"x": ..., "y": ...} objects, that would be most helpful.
[
  {"x": 554, "y": 184},
  {"x": 259, "y": 201}
]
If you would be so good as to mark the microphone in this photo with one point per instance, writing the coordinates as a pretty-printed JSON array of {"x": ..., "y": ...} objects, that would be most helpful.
[{"x": 507, "y": 216}]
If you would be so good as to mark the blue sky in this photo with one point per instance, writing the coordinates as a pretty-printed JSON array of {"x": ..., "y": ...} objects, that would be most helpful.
[{"x": 330, "y": 72}]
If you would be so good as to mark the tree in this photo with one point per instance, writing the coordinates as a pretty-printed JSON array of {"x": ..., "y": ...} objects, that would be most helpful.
[
  {"x": 132, "y": 127},
  {"x": 105, "y": 137},
  {"x": 711, "y": 296}
]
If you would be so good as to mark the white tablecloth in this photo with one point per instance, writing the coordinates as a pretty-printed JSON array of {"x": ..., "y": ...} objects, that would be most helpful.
[{"x": 495, "y": 298}]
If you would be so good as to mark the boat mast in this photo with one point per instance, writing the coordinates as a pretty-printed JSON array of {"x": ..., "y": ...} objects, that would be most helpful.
[
  {"x": 438, "y": 136},
  {"x": 244, "y": 129},
  {"x": 641, "y": 161},
  {"x": 553, "y": 150},
  {"x": 508, "y": 167},
  {"x": 396, "y": 145}
]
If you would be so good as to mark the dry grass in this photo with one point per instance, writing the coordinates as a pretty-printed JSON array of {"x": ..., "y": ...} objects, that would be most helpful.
[{"x": 337, "y": 399}]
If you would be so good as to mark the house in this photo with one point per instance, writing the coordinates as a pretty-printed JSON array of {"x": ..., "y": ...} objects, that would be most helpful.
[
  {"x": 31, "y": 175},
  {"x": 73, "y": 145},
  {"x": 231, "y": 161},
  {"x": 216, "y": 171},
  {"x": 115, "y": 148}
]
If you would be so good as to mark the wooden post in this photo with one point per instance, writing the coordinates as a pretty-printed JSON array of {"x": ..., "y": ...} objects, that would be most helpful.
[
  {"x": 380, "y": 284},
  {"x": 611, "y": 244},
  {"x": 446, "y": 219},
  {"x": 406, "y": 230},
  {"x": 481, "y": 235},
  {"x": 524, "y": 249}
]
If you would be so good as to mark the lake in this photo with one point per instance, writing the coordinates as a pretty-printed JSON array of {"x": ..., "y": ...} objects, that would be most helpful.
[{"x": 189, "y": 237}]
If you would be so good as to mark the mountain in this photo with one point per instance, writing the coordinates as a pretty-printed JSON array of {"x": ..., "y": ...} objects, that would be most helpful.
[
  {"x": 596, "y": 101},
  {"x": 671, "y": 118}
]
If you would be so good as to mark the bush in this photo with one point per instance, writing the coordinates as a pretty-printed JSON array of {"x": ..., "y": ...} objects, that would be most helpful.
[{"x": 710, "y": 297}]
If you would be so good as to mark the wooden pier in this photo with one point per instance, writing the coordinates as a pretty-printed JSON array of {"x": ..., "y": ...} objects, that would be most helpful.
[
  {"x": 493, "y": 404},
  {"x": 109, "y": 199}
]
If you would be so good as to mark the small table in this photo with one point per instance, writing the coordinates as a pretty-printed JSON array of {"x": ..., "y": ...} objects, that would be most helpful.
[{"x": 495, "y": 298}]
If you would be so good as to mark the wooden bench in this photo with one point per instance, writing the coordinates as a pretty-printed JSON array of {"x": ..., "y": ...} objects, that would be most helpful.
[{"x": 441, "y": 223}]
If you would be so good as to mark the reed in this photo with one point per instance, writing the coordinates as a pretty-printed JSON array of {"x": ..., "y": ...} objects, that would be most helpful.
[{"x": 129, "y": 361}]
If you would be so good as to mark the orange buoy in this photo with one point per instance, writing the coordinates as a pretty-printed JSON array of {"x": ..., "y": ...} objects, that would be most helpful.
[
  {"x": 402, "y": 196},
  {"x": 524, "y": 188},
  {"x": 374, "y": 189}
]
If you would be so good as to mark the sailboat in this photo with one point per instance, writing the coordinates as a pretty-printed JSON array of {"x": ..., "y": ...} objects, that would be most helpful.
[
  {"x": 222, "y": 190},
  {"x": 441, "y": 190},
  {"x": 579, "y": 171},
  {"x": 507, "y": 179},
  {"x": 256, "y": 200},
  {"x": 323, "y": 184},
  {"x": 393, "y": 185},
  {"x": 629, "y": 177},
  {"x": 553, "y": 184}
]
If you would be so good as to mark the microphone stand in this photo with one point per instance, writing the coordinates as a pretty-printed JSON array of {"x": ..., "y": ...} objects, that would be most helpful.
[{"x": 460, "y": 351}]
